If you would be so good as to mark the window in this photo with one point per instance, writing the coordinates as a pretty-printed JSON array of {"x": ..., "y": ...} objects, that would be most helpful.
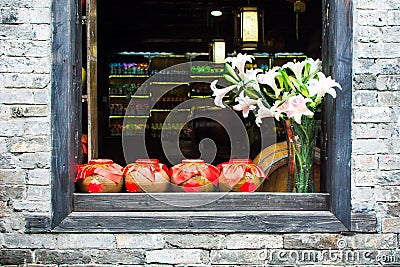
[{"x": 328, "y": 212}]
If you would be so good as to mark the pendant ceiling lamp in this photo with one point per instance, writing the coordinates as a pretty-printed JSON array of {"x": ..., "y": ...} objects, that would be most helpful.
[
  {"x": 216, "y": 9},
  {"x": 249, "y": 28},
  {"x": 299, "y": 6}
]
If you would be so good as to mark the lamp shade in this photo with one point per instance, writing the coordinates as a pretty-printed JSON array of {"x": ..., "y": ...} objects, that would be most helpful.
[
  {"x": 249, "y": 28},
  {"x": 218, "y": 50}
]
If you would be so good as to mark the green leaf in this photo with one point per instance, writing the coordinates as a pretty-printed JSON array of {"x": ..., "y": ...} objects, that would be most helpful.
[
  {"x": 232, "y": 72},
  {"x": 251, "y": 94},
  {"x": 230, "y": 79}
]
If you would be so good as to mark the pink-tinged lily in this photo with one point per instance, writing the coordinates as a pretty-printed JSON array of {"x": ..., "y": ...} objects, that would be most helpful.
[
  {"x": 296, "y": 68},
  {"x": 278, "y": 107},
  {"x": 314, "y": 64},
  {"x": 220, "y": 93},
  {"x": 324, "y": 85},
  {"x": 245, "y": 104},
  {"x": 269, "y": 79},
  {"x": 297, "y": 107},
  {"x": 239, "y": 62},
  {"x": 263, "y": 112}
]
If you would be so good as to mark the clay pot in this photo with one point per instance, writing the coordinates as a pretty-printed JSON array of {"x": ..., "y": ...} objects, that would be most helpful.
[
  {"x": 146, "y": 175},
  {"x": 100, "y": 176},
  {"x": 194, "y": 175},
  {"x": 240, "y": 175}
]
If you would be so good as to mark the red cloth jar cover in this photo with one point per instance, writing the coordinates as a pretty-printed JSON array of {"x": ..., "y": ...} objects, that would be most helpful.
[
  {"x": 194, "y": 175},
  {"x": 146, "y": 175},
  {"x": 100, "y": 176},
  {"x": 240, "y": 175}
]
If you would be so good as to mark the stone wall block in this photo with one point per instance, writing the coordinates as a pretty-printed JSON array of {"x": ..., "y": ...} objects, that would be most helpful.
[
  {"x": 391, "y": 225},
  {"x": 388, "y": 82},
  {"x": 44, "y": 256},
  {"x": 140, "y": 241},
  {"x": 29, "y": 111},
  {"x": 371, "y": 18},
  {"x": 387, "y": 193},
  {"x": 372, "y": 114},
  {"x": 253, "y": 241},
  {"x": 372, "y": 130},
  {"x": 12, "y": 176},
  {"x": 393, "y": 17},
  {"x": 15, "y": 256},
  {"x": 364, "y": 81},
  {"x": 365, "y": 98},
  {"x": 39, "y": 177},
  {"x": 29, "y": 144},
  {"x": 205, "y": 241},
  {"x": 310, "y": 241},
  {"x": 369, "y": 146},
  {"x": 389, "y": 99},
  {"x": 389, "y": 162},
  {"x": 241, "y": 257},
  {"x": 120, "y": 256},
  {"x": 39, "y": 160},
  {"x": 84, "y": 241},
  {"x": 177, "y": 256}
]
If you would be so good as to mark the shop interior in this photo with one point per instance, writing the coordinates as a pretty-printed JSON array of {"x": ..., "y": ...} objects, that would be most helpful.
[{"x": 137, "y": 40}]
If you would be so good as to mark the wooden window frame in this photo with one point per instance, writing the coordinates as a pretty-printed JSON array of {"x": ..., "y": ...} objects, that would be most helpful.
[{"x": 233, "y": 212}]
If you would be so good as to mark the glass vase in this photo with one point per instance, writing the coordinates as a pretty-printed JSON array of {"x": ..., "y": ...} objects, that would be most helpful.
[{"x": 301, "y": 141}]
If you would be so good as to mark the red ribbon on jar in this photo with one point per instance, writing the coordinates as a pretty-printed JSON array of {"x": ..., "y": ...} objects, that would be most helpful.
[
  {"x": 240, "y": 175},
  {"x": 99, "y": 175},
  {"x": 147, "y": 174},
  {"x": 104, "y": 167},
  {"x": 194, "y": 175}
]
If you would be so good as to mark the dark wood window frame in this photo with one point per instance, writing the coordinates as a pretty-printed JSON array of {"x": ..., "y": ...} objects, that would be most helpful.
[{"x": 233, "y": 212}]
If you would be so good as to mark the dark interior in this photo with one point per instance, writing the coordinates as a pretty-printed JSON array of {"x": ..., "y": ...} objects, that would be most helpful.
[{"x": 187, "y": 26}]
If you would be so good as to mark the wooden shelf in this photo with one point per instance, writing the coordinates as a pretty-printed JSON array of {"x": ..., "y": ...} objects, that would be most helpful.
[
  {"x": 128, "y": 76},
  {"x": 132, "y": 96},
  {"x": 129, "y": 116}
]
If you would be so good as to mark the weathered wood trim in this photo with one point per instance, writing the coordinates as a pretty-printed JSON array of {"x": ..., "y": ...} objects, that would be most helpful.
[
  {"x": 198, "y": 202},
  {"x": 65, "y": 104},
  {"x": 202, "y": 222},
  {"x": 37, "y": 224},
  {"x": 337, "y": 115},
  {"x": 363, "y": 222},
  {"x": 65, "y": 150},
  {"x": 93, "y": 123}
]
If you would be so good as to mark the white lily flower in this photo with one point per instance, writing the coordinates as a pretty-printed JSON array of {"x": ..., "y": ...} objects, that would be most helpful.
[
  {"x": 314, "y": 64},
  {"x": 324, "y": 85},
  {"x": 250, "y": 79},
  {"x": 239, "y": 62},
  {"x": 269, "y": 79},
  {"x": 245, "y": 104},
  {"x": 220, "y": 93},
  {"x": 296, "y": 68}
]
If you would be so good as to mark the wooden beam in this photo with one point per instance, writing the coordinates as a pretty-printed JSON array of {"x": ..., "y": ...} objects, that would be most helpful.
[
  {"x": 200, "y": 202},
  {"x": 363, "y": 222},
  {"x": 202, "y": 222},
  {"x": 336, "y": 149},
  {"x": 93, "y": 126},
  {"x": 66, "y": 95}
]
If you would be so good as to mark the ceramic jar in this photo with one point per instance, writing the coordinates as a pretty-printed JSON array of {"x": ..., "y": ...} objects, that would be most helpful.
[
  {"x": 194, "y": 175},
  {"x": 100, "y": 176},
  {"x": 146, "y": 175},
  {"x": 240, "y": 175}
]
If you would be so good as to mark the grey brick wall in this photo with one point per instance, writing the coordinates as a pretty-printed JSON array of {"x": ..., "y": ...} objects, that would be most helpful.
[
  {"x": 25, "y": 39},
  {"x": 376, "y": 123}
]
